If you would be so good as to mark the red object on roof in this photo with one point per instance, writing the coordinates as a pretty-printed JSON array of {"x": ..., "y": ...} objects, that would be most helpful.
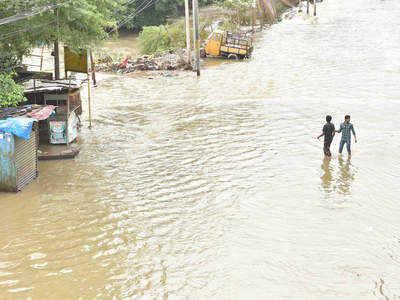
[{"x": 41, "y": 113}]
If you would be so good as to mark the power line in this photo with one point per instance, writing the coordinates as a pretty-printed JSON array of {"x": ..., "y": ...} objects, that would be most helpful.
[
  {"x": 134, "y": 14},
  {"x": 26, "y": 15},
  {"x": 24, "y": 30},
  {"x": 130, "y": 2}
]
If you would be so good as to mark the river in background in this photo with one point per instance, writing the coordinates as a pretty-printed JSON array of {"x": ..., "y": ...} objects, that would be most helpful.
[{"x": 217, "y": 187}]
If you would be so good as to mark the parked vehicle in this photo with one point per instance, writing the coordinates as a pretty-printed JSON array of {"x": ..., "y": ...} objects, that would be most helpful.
[{"x": 226, "y": 44}]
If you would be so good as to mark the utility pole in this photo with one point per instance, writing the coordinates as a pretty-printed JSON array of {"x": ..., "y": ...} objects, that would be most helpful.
[
  {"x": 254, "y": 14},
  {"x": 261, "y": 13},
  {"x": 187, "y": 17},
  {"x": 57, "y": 51},
  {"x": 93, "y": 68},
  {"x": 315, "y": 7},
  {"x": 56, "y": 60},
  {"x": 196, "y": 37}
]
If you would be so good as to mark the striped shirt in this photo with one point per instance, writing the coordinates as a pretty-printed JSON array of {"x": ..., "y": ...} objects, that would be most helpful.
[{"x": 345, "y": 130}]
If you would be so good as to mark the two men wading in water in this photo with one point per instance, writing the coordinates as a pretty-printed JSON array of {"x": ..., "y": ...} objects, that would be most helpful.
[{"x": 346, "y": 128}]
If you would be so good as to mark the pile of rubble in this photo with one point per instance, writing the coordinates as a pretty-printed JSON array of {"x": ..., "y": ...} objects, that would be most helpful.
[{"x": 165, "y": 62}]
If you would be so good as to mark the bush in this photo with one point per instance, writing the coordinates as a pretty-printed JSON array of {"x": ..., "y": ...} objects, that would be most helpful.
[
  {"x": 237, "y": 13},
  {"x": 281, "y": 8},
  {"x": 11, "y": 94},
  {"x": 159, "y": 39},
  {"x": 154, "y": 39}
]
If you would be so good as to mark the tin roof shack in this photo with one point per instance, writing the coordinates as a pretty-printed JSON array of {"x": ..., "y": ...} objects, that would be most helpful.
[
  {"x": 61, "y": 129},
  {"x": 18, "y": 152}
]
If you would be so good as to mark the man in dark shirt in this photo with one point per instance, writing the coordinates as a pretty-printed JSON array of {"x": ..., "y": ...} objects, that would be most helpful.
[{"x": 328, "y": 132}]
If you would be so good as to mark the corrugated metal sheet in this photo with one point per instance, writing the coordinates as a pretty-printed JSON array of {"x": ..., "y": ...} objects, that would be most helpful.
[
  {"x": 18, "y": 161},
  {"x": 7, "y": 163},
  {"x": 26, "y": 160}
]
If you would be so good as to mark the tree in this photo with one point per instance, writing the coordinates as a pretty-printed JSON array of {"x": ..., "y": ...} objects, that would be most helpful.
[
  {"x": 159, "y": 39},
  {"x": 155, "y": 14},
  {"x": 76, "y": 23},
  {"x": 11, "y": 94}
]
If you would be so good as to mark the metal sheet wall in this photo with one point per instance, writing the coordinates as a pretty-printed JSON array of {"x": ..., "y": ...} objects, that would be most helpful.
[
  {"x": 26, "y": 159},
  {"x": 7, "y": 163}
]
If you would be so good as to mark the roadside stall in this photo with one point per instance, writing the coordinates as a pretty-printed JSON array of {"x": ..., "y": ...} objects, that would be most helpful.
[{"x": 62, "y": 127}]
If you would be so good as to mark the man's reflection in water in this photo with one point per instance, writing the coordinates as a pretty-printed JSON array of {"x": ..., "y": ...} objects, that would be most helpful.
[
  {"x": 343, "y": 183},
  {"x": 327, "y": 176},
  {"x": 345, "y": 176}
]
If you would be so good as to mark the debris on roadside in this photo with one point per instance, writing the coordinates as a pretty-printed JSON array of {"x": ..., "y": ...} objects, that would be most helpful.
[{"x": 169, "y": 61}]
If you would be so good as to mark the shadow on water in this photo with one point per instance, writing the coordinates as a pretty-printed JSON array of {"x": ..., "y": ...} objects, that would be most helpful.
[
  {"x": 327, "y": 176},
  {"x": 345, "y": 177}
]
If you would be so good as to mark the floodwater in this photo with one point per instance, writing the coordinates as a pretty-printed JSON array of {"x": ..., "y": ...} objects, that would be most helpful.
[{"x": 216, "y": 188}]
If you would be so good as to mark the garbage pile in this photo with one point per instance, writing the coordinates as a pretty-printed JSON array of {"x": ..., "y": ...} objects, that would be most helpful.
[{"x": 169, "y": 61}]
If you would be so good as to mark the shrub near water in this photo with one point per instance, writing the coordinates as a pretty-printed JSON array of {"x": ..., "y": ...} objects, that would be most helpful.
[
  {"x": 11, "y": 94},
  {"x": 154, "y": 39},
  {"x": 159, "y": 39}
]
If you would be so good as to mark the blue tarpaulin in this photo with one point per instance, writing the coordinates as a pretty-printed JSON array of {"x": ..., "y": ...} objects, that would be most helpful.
[{"x": 20, "y": 126}]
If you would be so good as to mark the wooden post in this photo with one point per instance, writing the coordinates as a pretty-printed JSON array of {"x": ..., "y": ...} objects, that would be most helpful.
[
  {"x": 90, "y": 108},
  {"x": 196, "y": 37},
  {"x": 308, "y": 7},
  {"x": 187, "y": 19},
  {"x": 254, "y": 15},
  {"x": 56, "y": 61},
  {"x": 315, "y": 7},
  {"x": 93, "y": 67},
  {"x": 34, "y": 89},
  {"x": 261, "y": 13},
  {"x": 68, "y": 112},
  {"x": 41, "y": 59}
]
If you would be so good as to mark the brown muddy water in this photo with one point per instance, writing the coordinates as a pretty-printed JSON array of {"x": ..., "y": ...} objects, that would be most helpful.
[{"x": 216, "y": 188}]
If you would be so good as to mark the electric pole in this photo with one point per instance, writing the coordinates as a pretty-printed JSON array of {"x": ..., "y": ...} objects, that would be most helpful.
[
  {"x": 254, "y": 15},
  {"x": 187, "y": 17},
  {"x": 56, "y": 60},
  {"x": 315, "y": 7},
  {"x": 57, "y": 51},
  {"x": 196, "y": 37}
]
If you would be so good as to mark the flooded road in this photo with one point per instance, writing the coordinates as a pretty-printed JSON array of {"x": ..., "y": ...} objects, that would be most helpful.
[{"x": 217, "y": 188}]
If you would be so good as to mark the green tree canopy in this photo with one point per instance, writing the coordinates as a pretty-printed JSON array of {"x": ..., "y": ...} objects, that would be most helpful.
[
  {"x": 11, "y": 94},
  {"x": 156, "y": 14},
  {"x": 76, "y": 23}
]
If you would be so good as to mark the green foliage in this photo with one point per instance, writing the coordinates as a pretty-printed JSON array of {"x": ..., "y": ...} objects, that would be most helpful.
[
  {"x": 159, "y": 39},
  {"x": 82, "y": 24},
  {"x": 11, "y": 94},
  {"x": 154, "y": 15},
  {"x": 281, "y": 8},
  {"x": 237, "y": 14},
  {"x": 154, "y": 39}
]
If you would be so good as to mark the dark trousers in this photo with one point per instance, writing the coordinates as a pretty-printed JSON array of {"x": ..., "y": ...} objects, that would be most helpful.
[{"x": 327, "y": 145}]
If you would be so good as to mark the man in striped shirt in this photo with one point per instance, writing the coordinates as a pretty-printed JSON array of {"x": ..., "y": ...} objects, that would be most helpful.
[{"x": 346, "y": 128}]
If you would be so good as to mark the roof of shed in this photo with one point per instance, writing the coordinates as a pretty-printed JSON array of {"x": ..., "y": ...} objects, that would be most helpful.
[
  {"x": 38, "y": 112},
  {"x": 42, "y": 85}
]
